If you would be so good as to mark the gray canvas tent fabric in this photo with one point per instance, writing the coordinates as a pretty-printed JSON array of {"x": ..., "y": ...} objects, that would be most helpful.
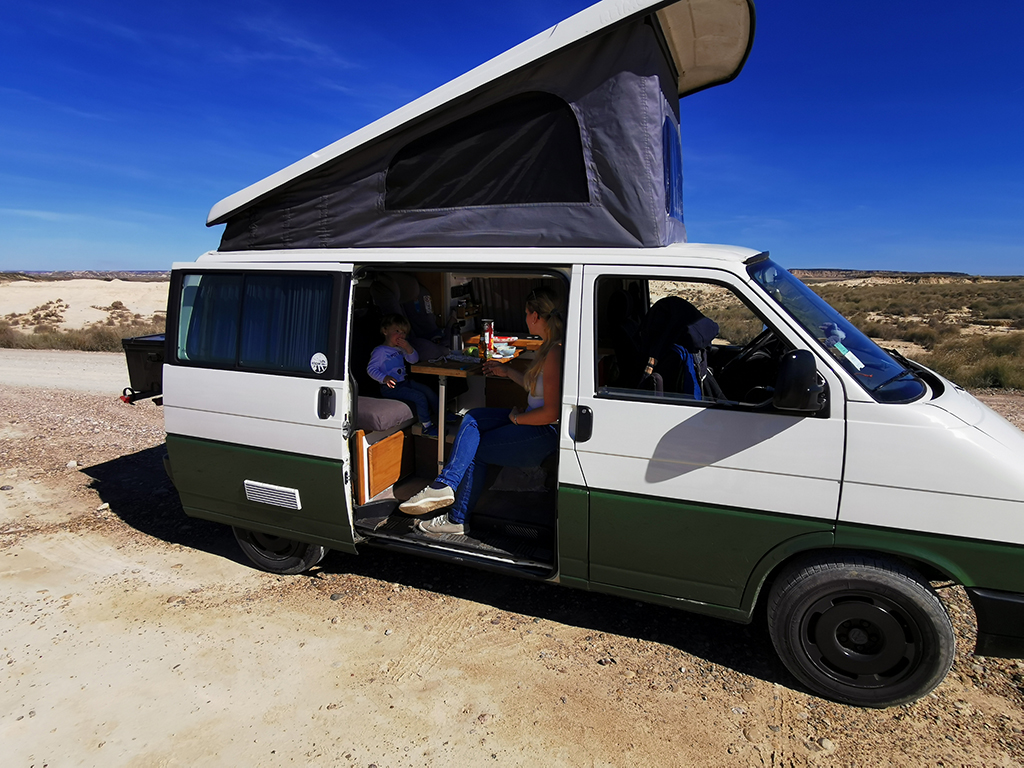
[{"x": 619, "y": 87}]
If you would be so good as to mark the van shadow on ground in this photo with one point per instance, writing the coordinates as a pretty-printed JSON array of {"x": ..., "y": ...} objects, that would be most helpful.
[{"x": 140, "y": 494}]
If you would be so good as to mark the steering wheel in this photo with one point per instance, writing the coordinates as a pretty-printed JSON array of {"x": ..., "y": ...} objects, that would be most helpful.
[{"x": 756, "y": 344}]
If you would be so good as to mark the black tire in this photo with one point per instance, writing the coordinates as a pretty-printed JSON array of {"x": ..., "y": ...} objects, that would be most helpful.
[
  {"x": 861, "y": 630},
  {"x": 276, "y": 554}
]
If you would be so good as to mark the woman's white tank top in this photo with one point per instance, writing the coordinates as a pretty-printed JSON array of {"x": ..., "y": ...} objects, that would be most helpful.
[{"x": 536, "y": 401}]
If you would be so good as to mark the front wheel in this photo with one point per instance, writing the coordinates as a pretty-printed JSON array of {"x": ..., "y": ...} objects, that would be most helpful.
[
  {"x": 861, "y": 630},
  {"x": 276, "y": 554}
]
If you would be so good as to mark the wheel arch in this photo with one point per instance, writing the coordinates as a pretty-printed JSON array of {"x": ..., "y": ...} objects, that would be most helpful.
[{"x": 930, "y": 565}]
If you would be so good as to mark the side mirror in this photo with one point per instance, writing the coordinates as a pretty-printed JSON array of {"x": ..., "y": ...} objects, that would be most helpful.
[{"x": 797, "y": 387}]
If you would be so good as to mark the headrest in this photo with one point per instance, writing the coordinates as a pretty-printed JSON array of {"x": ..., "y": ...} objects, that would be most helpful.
[
  {"x": 674, "y": 320},
  {"x": 620, "y": 305},
  {"x": 407, "y": 287}
]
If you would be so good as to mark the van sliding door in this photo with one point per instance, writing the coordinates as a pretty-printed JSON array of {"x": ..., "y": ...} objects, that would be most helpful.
[{"x": 256, "y": 398}]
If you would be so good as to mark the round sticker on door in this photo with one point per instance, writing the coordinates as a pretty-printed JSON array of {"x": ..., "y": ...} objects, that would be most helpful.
[{"x": 318, "y": 362}]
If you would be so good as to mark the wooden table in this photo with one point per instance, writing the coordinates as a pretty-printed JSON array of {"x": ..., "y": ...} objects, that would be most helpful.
[
  {"x": 443, "y": 370},
  {"x": 520, "y": 343}
]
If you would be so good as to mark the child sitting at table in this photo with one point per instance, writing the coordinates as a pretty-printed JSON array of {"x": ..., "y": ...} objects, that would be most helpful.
[{"x": 387, "y": 366}]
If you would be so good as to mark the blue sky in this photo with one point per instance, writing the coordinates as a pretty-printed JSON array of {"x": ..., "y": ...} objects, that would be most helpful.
[{"x": 866, "y": 135}]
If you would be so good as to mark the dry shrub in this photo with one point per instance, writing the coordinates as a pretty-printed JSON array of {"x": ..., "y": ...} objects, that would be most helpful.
[
  {"x": 7, "y": 334},
  {"x": 993, "y": 299},
  {"x": 886, "y": 331},
  {"x": 96, "y": 338},
  {"x": 737, "y": 325},
  {"x": 981, "y": 361}
]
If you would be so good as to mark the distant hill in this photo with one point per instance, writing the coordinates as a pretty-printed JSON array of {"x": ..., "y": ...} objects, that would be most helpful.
[
  {"x": 854, "y": 274},
  {"x": 141, "y": 276}
]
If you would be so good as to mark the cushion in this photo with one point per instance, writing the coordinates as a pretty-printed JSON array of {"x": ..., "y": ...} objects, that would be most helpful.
[{"x": 378, "y": 415}]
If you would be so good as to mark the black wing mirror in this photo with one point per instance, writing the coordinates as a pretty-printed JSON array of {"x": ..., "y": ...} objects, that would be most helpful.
[{"x": 798, "y": 386}]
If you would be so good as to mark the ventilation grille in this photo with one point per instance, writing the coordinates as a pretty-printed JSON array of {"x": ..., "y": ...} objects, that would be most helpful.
[{"x": 276, "y": 495}]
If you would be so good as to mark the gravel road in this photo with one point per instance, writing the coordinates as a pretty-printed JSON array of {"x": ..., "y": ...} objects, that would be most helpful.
[
  {"x": 131, "y": 635},
  {"x": 97, "y": 372}
]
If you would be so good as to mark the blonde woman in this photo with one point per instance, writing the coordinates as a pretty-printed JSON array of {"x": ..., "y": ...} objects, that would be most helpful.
[{"x": 510, "y": 438}]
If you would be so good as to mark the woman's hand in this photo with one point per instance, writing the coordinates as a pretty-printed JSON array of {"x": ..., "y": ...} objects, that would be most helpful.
[
  {"x": 513, "y": 414},
  {"x": 494, "y": 368}
]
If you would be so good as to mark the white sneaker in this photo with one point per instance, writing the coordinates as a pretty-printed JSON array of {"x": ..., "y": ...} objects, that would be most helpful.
[
  {"x": 441, "y": 524},
  {"x": 428, "y": 500}
]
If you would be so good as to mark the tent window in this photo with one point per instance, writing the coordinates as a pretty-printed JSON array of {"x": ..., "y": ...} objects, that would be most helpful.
[
  {"x": 673, "y": 170},
  {"x": 526, "y": 149}
]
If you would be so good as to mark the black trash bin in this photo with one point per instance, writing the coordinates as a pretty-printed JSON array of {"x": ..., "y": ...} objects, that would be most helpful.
[{"x": 145, "y": 358}]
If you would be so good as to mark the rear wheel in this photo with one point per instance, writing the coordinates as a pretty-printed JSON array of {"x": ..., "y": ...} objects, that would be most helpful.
[
  {"x": 860, "y": 630},
  {"x": 276, "y": 554}
]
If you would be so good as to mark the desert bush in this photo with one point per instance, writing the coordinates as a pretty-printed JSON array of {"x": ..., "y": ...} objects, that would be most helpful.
[
  {"x": 886, "y": 331},
  {"x": 984, "y": 298},
  {"x": 921, "y": 335},
  {"x": 926, "y": 336},
  {"x": 981, "y": 361},
  {"x": 95, "y": 338}
]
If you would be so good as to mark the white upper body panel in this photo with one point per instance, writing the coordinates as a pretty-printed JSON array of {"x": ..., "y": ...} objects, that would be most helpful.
[
  {"x": 729, "y": 257},
  {"x": 946, "y": 465},
  {"x": 260, "y": 410}
]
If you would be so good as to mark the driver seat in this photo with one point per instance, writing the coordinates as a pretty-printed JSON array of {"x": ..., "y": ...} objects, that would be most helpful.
[{"x": 675, "y": 337}]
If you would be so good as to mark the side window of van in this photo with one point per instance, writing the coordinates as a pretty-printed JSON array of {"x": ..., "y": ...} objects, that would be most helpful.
[
  {"x": 683, "y": 340},
  {"x": 256, "y": 321}
]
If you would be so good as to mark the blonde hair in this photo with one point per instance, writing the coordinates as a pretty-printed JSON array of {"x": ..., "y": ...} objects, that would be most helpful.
[
  {"x": 394, "y": 321},
  {"x": 544, "y": 302}
]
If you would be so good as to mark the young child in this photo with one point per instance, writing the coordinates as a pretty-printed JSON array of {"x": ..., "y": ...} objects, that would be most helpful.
[{"x": 387, "y": 365}]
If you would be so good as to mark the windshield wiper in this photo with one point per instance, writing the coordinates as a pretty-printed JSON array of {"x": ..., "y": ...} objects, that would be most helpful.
[
  {"x": 898, "y": 376},
  {"x": 900, "y": 358}
]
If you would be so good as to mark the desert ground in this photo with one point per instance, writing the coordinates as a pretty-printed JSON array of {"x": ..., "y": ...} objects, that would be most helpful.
[
  {"x": 131, "y": 635},
  {"x": 67, "y": 304}
]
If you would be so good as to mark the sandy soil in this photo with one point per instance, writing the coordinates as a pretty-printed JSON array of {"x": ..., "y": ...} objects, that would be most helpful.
[
  {"x": 131, "y": 635},
  {"x": 78, "y": 303}
]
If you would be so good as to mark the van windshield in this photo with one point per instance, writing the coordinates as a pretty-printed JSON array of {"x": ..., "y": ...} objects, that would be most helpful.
[{"x": 874, "y": 369}]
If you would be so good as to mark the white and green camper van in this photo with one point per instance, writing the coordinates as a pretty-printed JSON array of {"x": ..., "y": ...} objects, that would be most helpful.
[{"x": 783, "y": 460}]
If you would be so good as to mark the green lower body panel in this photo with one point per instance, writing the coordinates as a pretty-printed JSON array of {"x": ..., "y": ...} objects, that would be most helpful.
[
  {"x": 973, "y": 563},
  {"x": 694, "y": 552},
  {"x": 210, "y": 479},
  {"x": 573, "y": 532}
]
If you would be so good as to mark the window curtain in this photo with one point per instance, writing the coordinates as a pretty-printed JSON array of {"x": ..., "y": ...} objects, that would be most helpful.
[
  {"x": 213, "y": 327},
  {"x": 285, "y": 321}
]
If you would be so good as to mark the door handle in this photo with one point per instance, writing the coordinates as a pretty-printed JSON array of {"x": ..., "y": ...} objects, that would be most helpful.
[
  {"x": 325, "y": 403},
  {"x": 584, "y": 424}
]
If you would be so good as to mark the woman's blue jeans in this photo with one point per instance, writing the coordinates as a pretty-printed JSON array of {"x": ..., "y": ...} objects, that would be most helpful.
[{"x": 486, "y": 436}]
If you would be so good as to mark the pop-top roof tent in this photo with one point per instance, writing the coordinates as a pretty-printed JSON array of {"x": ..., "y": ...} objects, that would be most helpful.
[{"x": 569, "y": 139}]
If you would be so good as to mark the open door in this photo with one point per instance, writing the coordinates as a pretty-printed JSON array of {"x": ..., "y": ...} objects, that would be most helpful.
[{"x": 256, "y": 398}]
